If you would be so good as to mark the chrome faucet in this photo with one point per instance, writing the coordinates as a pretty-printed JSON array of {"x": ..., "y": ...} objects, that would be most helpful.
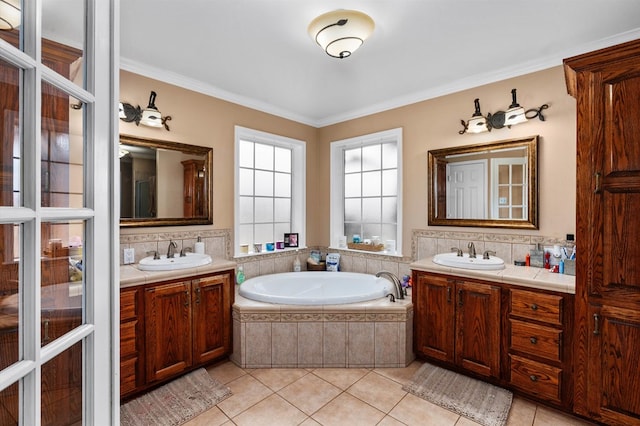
[
  {"x": 395, "y": 281},
  {"x": 457, "y": 250},
  {"x": 171, "y": 249},
  {"x": 472, "y": 250},
  {"x": 488, "y": 253},
  {"x": 184, "y": 251}
]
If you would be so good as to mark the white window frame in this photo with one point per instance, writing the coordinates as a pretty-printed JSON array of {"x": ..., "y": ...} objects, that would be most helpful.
[
  {"x": 336, "y": 225},
  {"x": 298, "y": 181},
  {"x": 99, "y": 332}
]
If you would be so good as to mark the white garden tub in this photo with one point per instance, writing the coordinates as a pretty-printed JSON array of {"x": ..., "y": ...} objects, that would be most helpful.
[{"x": 315, "y": 288}]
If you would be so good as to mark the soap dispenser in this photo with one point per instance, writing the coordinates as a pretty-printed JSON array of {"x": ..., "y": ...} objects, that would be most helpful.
[{"x": 199, "y": 246}]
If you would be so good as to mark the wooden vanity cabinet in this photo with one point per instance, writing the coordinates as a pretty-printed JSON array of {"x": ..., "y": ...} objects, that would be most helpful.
[
  {"x": 606, "y": 86},
  {"x": 458, "y": 322},
  {"x": 175, "y": 327},
  {"x": 538, "y": 354},
  {"x": 513, "y": 337}
]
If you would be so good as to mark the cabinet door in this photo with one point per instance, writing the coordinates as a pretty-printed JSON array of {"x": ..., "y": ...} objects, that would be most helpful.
[
  {"x": 211, "y": 317},
  {"x": 478, "y": 328},
  {"x": 435, "y": 316},
  {"x": 168, "y": 329},
  {"x": 614, "y": 377}
]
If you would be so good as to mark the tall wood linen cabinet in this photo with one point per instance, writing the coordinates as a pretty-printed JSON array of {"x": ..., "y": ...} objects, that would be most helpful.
[{"x": 606, "y": 85}]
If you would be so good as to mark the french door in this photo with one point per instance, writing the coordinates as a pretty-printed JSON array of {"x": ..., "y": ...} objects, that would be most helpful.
[{"x": 58, "y": 277}]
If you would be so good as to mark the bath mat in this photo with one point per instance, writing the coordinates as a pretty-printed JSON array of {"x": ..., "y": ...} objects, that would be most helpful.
[
  {"x": 481, "y": 402},
  {"x": 176, "y": 402}
]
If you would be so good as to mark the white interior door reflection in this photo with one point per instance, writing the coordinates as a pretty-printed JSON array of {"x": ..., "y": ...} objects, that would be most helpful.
[{"x": 467, "y": 190}]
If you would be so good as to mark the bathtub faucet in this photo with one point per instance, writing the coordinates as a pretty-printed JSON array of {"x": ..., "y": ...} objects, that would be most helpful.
[{"x": 395, "y": 281}]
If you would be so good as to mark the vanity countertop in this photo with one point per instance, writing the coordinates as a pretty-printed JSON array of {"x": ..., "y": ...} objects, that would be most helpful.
[
  {"x": 525, "y": 276},
  {"x": 130, "y": 275}
]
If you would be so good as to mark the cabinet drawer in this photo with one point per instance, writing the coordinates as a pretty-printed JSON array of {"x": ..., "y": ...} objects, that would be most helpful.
[
  {"x": 128, "y": 375},
  {"x": 128, "y": 305},
  {"x": 536, "y": 306},
  {"x": 537, "y": 340},
  {"x": 128, "y": 338},
  {"x": 536, "y": 378}
]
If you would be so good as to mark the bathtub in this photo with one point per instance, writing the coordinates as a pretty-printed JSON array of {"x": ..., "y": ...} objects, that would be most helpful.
[
  {"x": 315, "y": 288},
  {"x": 306, "y": 323}
]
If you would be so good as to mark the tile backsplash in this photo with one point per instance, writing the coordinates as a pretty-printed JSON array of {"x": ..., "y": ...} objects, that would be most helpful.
[{"x": 424, "y": 243}]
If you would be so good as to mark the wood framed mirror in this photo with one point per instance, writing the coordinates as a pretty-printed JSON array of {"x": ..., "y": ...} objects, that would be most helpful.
[
  {"x": 491, "y": 185},
  {"x": 164, "y": 183}
]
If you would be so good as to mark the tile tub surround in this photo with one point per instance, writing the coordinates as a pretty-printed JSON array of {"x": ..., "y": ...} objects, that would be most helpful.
[{"x": 375, "y": 334}]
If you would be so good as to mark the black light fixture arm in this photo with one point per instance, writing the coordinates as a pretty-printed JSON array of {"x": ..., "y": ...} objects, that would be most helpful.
[{"x": 537, "y": 112}]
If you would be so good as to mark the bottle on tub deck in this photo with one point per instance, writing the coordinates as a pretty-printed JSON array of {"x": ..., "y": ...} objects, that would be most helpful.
[
  {"x": 240, "y": 275},
  {"x": 296, "y": 263}
]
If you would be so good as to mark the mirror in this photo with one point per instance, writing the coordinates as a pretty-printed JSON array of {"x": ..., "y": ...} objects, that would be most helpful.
[
  {"x": 164, "y": 183},
  {"x": 486, "y": 185}
]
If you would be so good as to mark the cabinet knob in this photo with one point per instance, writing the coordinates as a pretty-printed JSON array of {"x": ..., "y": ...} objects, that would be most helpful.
[
  {"x": 534, "y": 307},
  {"x": 533, "y": 340},
  {"x": 533, "y": 378}
]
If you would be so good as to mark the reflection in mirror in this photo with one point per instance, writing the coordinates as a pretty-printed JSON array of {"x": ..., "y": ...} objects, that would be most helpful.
[
  {"x": 164, "y": 183},
  {"x": 486, "y": 185}
]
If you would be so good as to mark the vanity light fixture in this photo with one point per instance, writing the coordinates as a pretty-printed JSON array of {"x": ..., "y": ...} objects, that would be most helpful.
[
  {"x": 341, "y": 32},
  {"x": 10, "y": 14},
  {"x": 150, "y": 116},
  {"x": 515, "y": 114}
]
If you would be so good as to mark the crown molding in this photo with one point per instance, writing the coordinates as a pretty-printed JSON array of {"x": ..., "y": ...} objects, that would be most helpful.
[{"x": 442, "y": 90}]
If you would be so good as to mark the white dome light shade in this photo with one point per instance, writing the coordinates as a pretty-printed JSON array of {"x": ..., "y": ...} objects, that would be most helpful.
[
  {"x": 514, "y": 116},
  {"x": 10, "y": 15},
  {"x": 151, "y": 117},
  {"x": 341, "y": 32}
]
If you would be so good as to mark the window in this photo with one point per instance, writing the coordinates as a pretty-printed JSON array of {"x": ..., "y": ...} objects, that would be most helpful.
[
  {"x": 269, "y": 190},
  {"x": 366, "y": 189}
]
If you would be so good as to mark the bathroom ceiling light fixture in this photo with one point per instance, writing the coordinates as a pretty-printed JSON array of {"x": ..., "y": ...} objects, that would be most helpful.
[
  {"x": 515, "y": 114},
  {"x": 10, "y": 14},
  {"x": 341, "y": 32},
  {"x": 150, "y": 116}
]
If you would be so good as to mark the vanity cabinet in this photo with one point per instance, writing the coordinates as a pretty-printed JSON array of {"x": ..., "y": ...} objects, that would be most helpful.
[
  {"x": 539, "y": 358},
  {"x": 606, "y": 85},
  {"x": 169, "y": 328},
  {"x": 511, "y": 336},
  {"x": 458, "y": 322}
]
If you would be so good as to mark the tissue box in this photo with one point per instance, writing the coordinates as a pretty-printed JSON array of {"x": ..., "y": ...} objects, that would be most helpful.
[
  {"x": 569, "y": 267},
  {"x": 537, "y": 258}
]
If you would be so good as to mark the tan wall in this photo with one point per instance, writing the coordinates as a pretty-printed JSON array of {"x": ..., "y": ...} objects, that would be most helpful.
[
  {"x": 202, "y": 120},
  {"x": 432, "y": 124},
  {"x": 435, "y": 124}
]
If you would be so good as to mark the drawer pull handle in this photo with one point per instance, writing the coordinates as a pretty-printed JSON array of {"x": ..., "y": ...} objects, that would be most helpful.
[
  {"x": 596, "y": 324},
  {"x": 533, "y": 340},
  {"x": 534, "y": 307},
  {"x": 448, "y": 294},
  {"x": 533, "y": 378}
]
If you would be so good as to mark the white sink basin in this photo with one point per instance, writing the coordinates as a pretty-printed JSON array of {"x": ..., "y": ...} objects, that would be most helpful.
[
  {"x": 191, "y": 260},
  {"x": 466, "y": 262}
]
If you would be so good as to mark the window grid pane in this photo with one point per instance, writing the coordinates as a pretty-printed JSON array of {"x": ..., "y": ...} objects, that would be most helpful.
[
  {"x": 370, "y": 191},
  {"x": 265, "y": 186}
]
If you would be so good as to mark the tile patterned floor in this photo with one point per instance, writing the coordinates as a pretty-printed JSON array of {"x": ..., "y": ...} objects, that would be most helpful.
[{"x": 339, "y": 396}]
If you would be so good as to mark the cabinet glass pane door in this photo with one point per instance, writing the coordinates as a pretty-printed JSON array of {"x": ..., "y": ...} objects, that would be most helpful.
[{"x": 52, "y": 209}]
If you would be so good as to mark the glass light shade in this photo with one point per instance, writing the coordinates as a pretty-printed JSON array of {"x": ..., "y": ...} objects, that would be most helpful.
[
  {"x": 514, "y": 116},
  {"x": 10, "y": 15},
  {"x": 341, "y": 32},
  {"x": 477, "y": 125},
  {"x": 151, "y": 117},
  {"x": 121, "y": 113}
]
